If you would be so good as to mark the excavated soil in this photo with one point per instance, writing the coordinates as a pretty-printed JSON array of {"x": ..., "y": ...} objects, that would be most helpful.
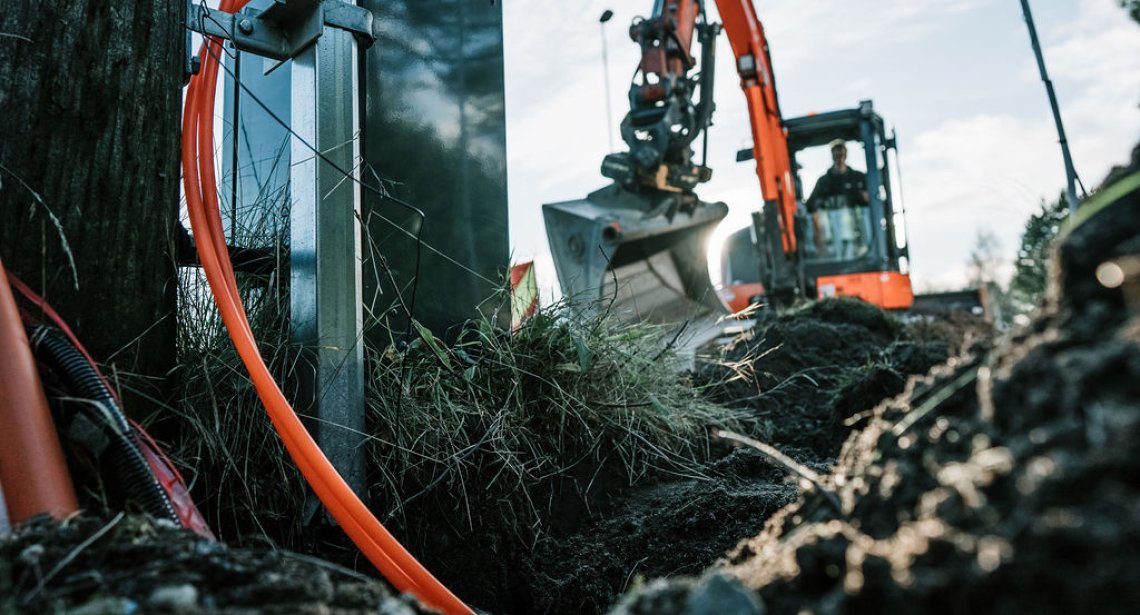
[
  {"x": 591, "y": 549},
  {"x": 804, "y": 384},
  {"x": 130, "y": 564},
  {"x": 1004, "y": 482}
]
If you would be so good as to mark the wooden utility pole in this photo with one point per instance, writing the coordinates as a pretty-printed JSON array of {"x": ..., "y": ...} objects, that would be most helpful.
[{"x": 89, "y": 179}]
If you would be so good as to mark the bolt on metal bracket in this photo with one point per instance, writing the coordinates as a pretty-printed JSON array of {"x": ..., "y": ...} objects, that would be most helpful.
[{"x": 281, "y": 29}]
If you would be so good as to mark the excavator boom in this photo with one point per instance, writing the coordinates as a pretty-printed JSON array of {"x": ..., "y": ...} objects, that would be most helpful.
[{"x": 769, "y": 140}]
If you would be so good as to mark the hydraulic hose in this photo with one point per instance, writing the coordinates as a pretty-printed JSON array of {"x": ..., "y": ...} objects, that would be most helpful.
[
  {"x": 82, "y": 380},
  {"x": 377, "y": 544}
]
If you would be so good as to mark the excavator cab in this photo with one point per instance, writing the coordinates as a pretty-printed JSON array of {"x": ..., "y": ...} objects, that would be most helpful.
[
  {"x": 853, "y": 250},
  {"x": 638, "y": 246}
]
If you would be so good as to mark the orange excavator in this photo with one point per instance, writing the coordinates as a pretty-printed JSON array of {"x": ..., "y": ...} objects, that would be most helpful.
[{"x": 641, "y": 242}]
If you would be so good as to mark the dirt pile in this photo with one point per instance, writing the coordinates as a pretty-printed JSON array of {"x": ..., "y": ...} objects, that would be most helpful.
[
  {"x": 1005, "y": 482},
  {"x": 550, "y": 471},
  {"x": 600, "y": 516},
  {"x": 808, "y": 371},
  {"x": 133, "y": 564},
  {"x": 594, "y": 472}
]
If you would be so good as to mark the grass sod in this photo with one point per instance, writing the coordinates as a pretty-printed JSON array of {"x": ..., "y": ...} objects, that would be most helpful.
[
  {"x": 559, "y": 398},
  {"x": 492, "y": 412}
]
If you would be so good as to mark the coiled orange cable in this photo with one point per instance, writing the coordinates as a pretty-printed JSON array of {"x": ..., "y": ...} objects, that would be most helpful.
[{"x": 377, "y": 544}]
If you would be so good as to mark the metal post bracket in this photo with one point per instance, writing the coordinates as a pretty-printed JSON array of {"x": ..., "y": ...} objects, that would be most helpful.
[{"x": 284, "y": 28}]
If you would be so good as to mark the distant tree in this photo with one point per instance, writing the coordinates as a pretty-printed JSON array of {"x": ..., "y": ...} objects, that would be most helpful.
[
  {"x": 1133, "y": 8},
  {"x": 983, "y": 271},
  {"x": 1027, "y": 288},
  {"x": 985, "y": 261}
]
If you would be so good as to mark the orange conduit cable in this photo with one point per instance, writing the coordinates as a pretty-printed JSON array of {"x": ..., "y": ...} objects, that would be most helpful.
[
  {"x": 384, "y": 550},
  {"x": 32, "y": 467},
  {"x": 377, "y": 544}
]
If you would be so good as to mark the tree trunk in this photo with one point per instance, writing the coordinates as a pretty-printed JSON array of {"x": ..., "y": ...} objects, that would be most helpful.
[{"x": 89, "y": 108}]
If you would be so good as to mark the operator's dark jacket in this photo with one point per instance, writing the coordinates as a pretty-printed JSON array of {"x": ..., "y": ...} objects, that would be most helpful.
[{"x": 836, "y": 190}]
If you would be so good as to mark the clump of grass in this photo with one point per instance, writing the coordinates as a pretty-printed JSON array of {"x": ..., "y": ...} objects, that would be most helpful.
[
  {"x": 503, "y": 414},
  {"x": 242, "y": 477},
  {"x": 240, "y": 474}
]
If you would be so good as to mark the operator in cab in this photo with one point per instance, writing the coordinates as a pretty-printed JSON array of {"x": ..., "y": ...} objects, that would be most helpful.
[{"x": 839, "y": 211}]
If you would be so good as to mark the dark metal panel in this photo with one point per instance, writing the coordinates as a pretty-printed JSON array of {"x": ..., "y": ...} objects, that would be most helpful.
[{"x": 435, "y": 130}]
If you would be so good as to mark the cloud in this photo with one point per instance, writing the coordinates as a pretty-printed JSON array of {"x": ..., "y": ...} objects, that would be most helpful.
[
  {"x": 809, "y": 30},
  {"x": 1093, "y": 61},
  {"x": 980, "y": 173}
]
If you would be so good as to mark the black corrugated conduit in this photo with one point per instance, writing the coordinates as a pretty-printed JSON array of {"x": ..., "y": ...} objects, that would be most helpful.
[{"x": 81, "y": 380}]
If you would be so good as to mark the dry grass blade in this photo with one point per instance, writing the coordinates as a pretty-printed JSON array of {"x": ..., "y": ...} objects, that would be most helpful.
[
  {"x": 63, "y": 243},
  {"x": 788, "y": 463},
  {"x": 936, "y": 400},
  {"x": 74, "y": 553}
]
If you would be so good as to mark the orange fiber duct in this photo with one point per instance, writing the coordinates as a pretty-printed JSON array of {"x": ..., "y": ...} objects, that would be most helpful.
[
  {"x": 32, "y": 467},
  {"x": 377, "y": 544}
]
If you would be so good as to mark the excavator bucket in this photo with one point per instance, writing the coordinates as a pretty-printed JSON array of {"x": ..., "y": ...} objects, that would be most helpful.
[{"x": 642, "y": 254}]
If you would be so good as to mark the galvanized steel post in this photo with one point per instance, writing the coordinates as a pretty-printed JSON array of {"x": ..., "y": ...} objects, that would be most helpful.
[{"x": 327, "y": 318}]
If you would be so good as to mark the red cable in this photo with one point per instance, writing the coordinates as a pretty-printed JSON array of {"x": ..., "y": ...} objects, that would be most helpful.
[
  {"x": 59, "y": 322},
  {"x": 164, "y": 470},
  {"x": 381, "y": 548}
]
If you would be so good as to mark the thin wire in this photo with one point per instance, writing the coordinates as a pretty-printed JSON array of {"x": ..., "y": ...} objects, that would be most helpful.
[
  {"x": 380, "y": 192},
  {"x": 207, "y": 14},
  {"x": 410, "y": 309}
]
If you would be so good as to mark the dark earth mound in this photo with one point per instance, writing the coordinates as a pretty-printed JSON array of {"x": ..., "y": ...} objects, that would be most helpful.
[
  {"x": 810, "y": 370},
  {"x": 133, "y": 564},
  {"x": 807, "y": 377},
  {"x": 1003, "y": 483},
  {"x": 808, "y": 374}
]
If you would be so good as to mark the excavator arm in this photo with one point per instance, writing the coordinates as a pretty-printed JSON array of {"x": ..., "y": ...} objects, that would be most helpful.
[
  {"x": 769, "y": 139},
  {"x": 663, "y": 119},
  {"x": 643, "y": 240}
]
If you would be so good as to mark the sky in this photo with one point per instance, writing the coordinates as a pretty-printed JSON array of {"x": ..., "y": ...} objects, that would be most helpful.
[{"x": 957, "y": 79}]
